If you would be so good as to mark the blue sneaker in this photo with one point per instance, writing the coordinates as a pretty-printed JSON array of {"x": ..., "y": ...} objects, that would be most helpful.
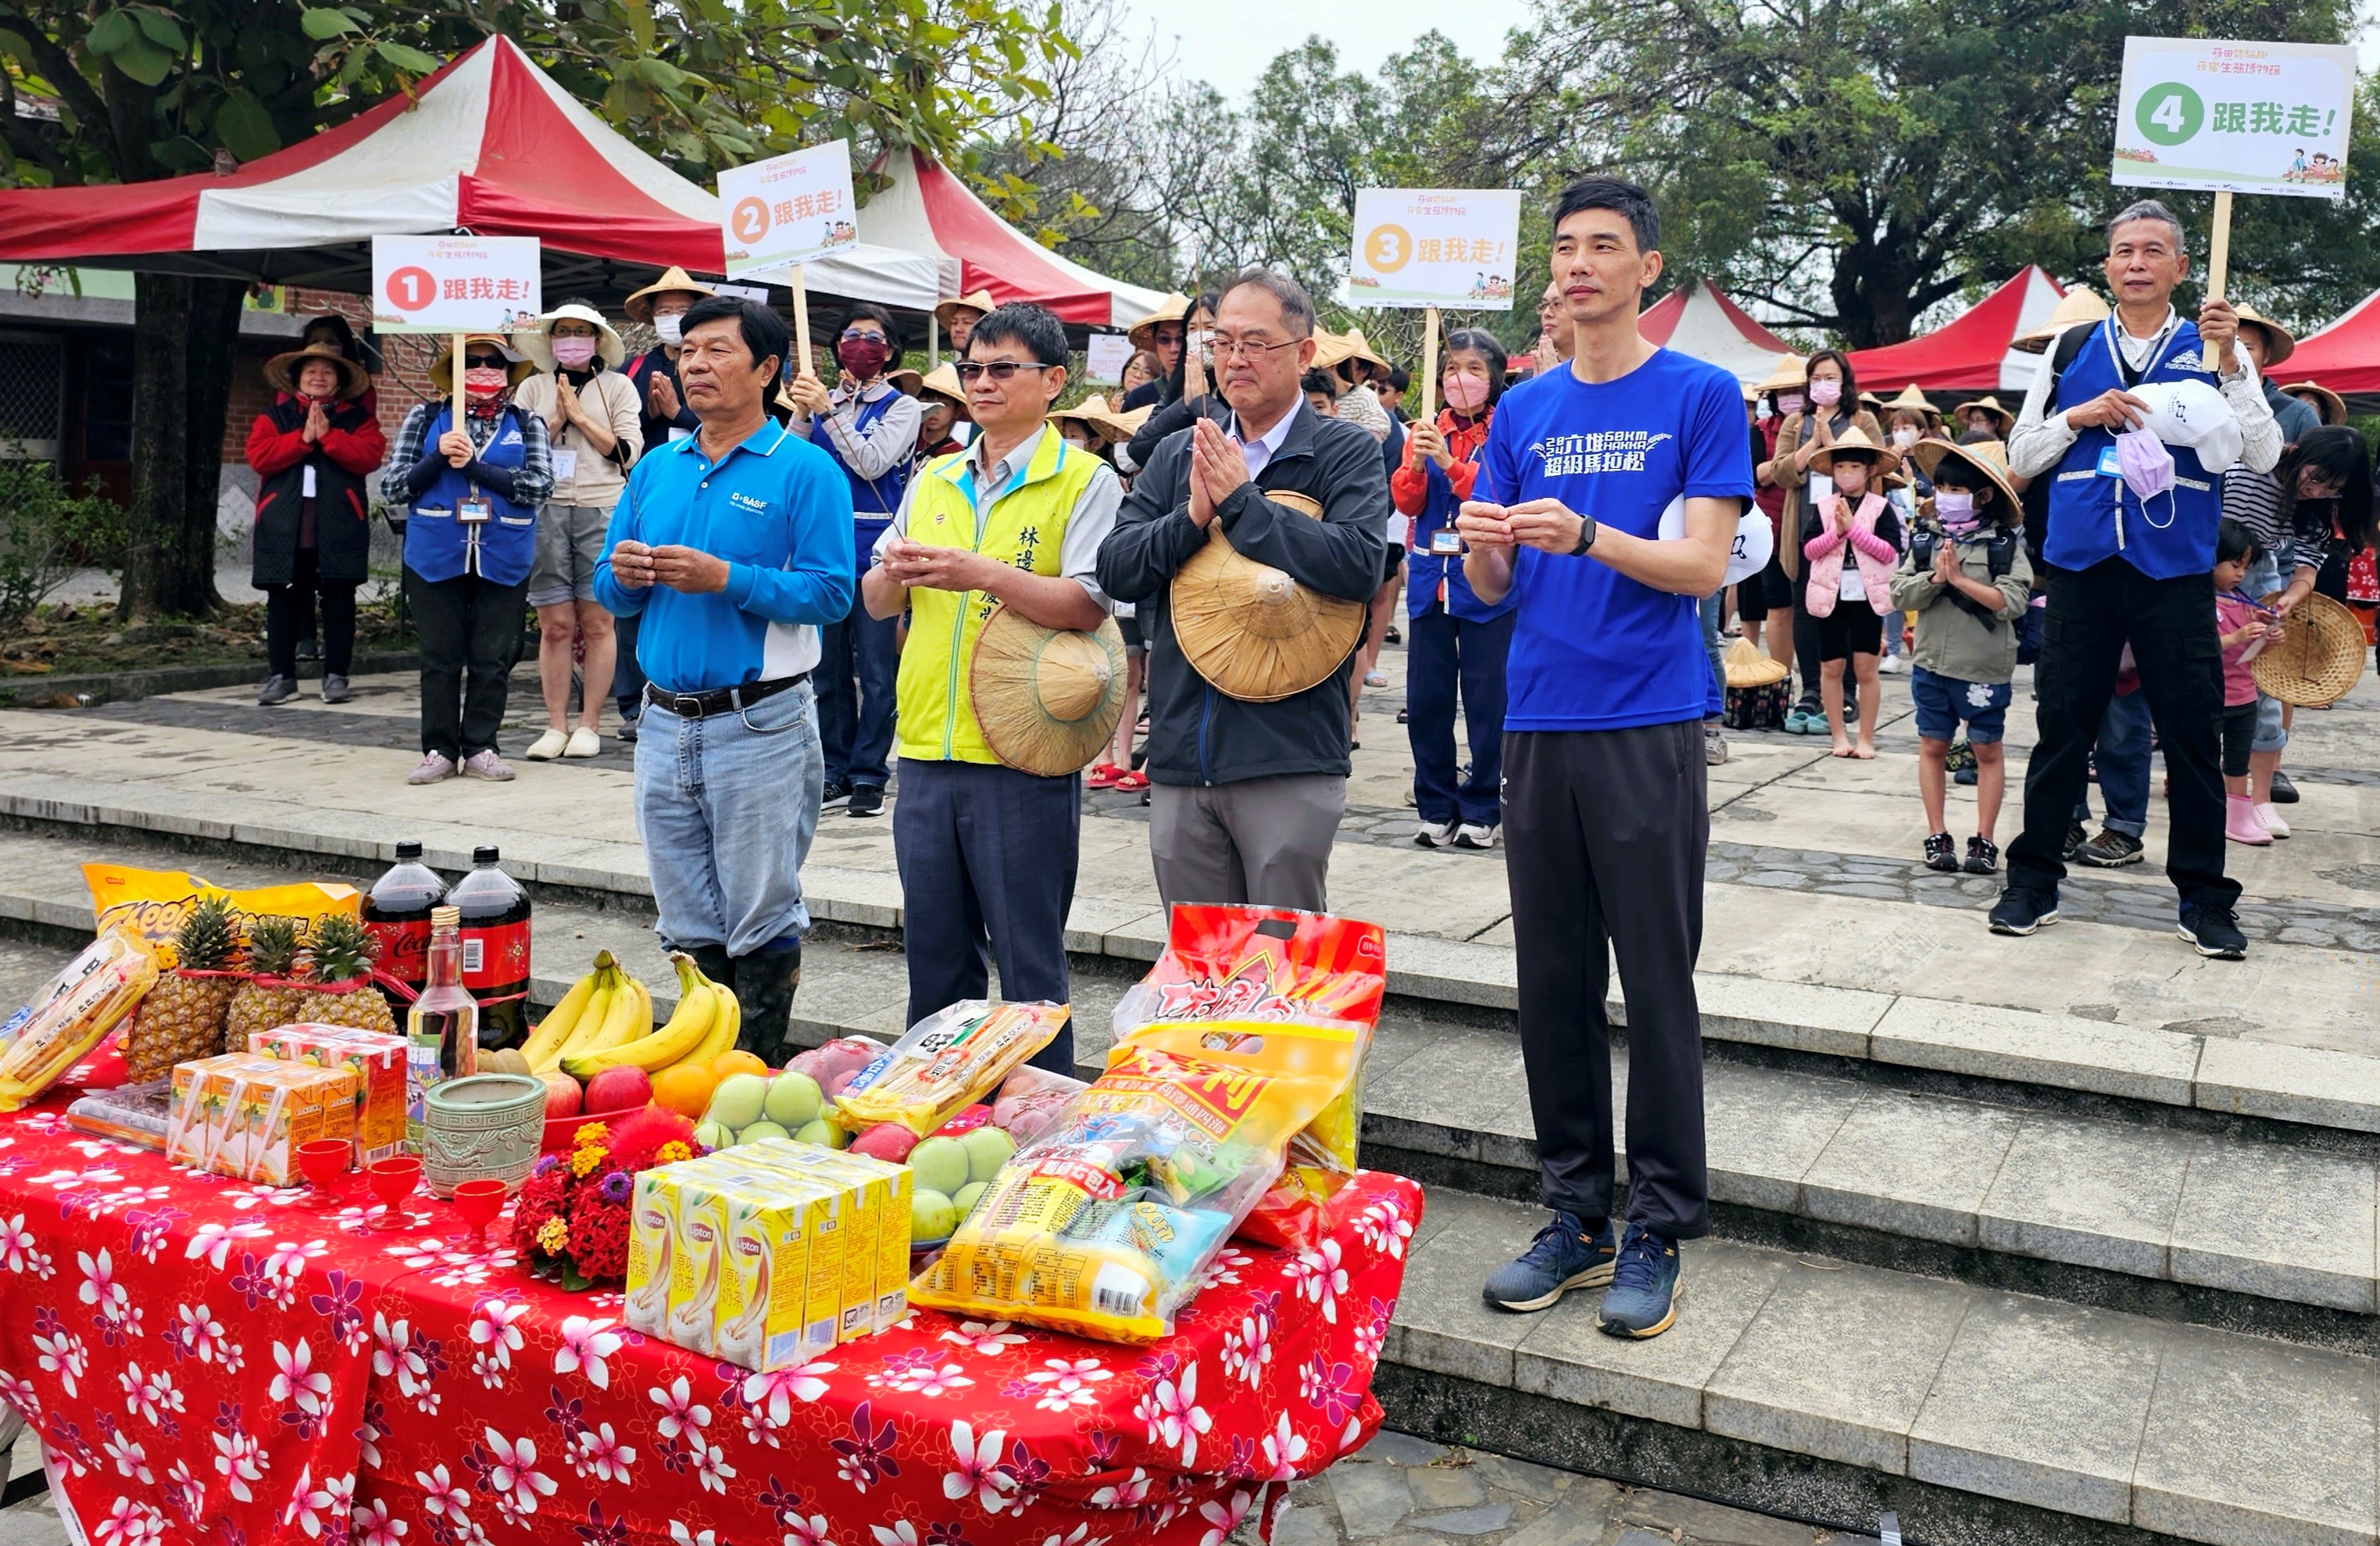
[
  {"x": 1563, "y": 1256},
  {"x": 1643, "y": 1298}
]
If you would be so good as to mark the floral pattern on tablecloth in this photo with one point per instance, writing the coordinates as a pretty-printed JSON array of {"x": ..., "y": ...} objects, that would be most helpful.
[{"x": 208, "y": 1359}]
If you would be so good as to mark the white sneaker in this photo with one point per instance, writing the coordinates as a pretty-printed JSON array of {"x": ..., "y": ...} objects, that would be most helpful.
[
  {"x": 583, "y": 743},
  {"x": 547, "y": 746},
  {"x": 2268, "y": 815},
  {"x": 1891, "y": 665},
  {"x": 1471, "y": 836},
  {"x": 1437, "y": 837}
]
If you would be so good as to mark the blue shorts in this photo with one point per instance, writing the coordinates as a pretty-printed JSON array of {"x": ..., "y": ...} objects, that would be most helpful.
[{"x": 1943, "y": 702}]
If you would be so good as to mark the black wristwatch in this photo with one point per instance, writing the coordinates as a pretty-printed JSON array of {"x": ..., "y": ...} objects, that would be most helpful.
[{"x": 1586, "y": 536}]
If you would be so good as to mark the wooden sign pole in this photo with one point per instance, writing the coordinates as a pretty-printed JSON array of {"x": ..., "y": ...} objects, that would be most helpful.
[
  {"x": 1429, "y": 365},
  {"x": 2218, "y": 251},
  {"x": 802, "y": 323},
  {"x": 461, "y": 402}
]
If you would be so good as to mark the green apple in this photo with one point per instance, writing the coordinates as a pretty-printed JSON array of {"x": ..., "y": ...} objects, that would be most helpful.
[
  {"x": 794, "y": 1099},
  {"x": 932, "y": 1216},
  {"x": 824, "y": 1134},
  {"x": 967, "y": 1197},
  {"x": 737, "y": 1102},
  {"x": 987, "y": 1149},
  {"x": 941, "y": 1165}
]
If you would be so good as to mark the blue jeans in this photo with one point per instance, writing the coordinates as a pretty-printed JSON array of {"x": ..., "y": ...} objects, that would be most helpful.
[
  {"x": 2123, "y": 763},
  {"x": 727, "y": 806},
  {"x": 2267, "y": 577},
  {"x": 1443, "y": 654},
  {"x": 856, "y": 723}
]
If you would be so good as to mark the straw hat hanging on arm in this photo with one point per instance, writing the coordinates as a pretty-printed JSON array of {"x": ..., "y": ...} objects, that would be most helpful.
[
  {"x": 1049, "y": 699},
  {"x": 1252, "y": 631},
  {"x": 2318, "y": 657}
]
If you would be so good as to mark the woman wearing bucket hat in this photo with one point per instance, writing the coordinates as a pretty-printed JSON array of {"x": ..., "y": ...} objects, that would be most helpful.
[
  {"x": 594, "y": 420},
  {"x": 474, "y": 475},
  {"x": 311, "y": 451}
]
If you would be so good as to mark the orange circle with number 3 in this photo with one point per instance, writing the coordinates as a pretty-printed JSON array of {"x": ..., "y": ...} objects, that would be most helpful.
[{"x": 1388, "y": 248}]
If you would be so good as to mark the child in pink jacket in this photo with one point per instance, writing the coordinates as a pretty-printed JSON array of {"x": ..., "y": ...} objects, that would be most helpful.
[{"x": 1851, "y": 544}]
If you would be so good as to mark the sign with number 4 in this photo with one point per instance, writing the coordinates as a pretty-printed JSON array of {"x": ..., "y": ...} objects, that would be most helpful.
[{"x": 2235, "y": 117}]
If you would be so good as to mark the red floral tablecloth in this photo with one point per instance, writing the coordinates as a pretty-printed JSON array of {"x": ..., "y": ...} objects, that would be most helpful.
[{"x": 209, "y": 1360}]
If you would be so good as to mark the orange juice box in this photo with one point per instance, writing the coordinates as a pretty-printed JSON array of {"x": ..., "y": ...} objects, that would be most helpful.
[
  {"x": 378, "y": 1061},
  {"x": 245, "y": 1116}
]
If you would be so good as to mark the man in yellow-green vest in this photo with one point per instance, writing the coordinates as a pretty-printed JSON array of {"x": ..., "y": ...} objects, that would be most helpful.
[{"x": 987, "y": 852}]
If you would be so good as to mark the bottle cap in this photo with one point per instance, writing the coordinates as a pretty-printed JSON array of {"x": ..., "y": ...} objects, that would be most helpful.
[
  {"x": 409, "y": 849},
  {"x": 446, "y": 918},
  {"x": 484, "y": 855}
]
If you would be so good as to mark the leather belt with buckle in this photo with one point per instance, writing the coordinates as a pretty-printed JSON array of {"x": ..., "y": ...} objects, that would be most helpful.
[{"x": 718, "y": 700}]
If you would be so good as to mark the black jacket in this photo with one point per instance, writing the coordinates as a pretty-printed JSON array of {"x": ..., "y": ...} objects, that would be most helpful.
[{"x": 1195, "y": 733}]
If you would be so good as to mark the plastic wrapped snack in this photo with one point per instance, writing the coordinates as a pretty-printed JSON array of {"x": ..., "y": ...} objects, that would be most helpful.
[
  {"x": 948, "y": 1061},
  {"x": 130, "y": 1113},
  {"x": 1031, "y": 1099},
  {"x": 153, "y": 902},
  {"x": 1102, "y": 1226},
  {"x": 73, "y": 1014}
]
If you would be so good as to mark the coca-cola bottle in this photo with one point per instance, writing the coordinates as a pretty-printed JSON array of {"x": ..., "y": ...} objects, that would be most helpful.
[
  {"x": 397, "y": 910},
  {"x": 495, "y": 910}
]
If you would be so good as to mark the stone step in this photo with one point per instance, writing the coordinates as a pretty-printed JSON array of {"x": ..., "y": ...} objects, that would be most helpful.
[
  {"x": 1826, "y": 1389},
  {"x": 1934, "y": 1041},
  {"x": 2188, "y": 1220}
]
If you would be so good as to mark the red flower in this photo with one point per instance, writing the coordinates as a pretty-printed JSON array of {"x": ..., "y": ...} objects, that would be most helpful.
[{"x": 599, "y": 1240}]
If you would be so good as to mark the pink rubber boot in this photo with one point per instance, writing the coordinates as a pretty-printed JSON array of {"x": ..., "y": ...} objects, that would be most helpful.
[{"x": 2239, "y": 823}]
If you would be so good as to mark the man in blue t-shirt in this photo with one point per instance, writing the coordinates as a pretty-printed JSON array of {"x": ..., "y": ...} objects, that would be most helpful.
[{"x": 1606, "y": 816}]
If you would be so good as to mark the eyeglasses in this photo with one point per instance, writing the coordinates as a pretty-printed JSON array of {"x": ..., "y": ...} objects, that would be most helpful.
[
  {"x": 854, "y": 334},
  {"x": 998, "y": 369},
  {"x": 1247, "y": 348}
]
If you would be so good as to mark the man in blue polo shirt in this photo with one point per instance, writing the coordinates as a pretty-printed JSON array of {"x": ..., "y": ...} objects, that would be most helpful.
[
  {"x": 1605, "y": 815},
  {"x": 732, "y": 546}
]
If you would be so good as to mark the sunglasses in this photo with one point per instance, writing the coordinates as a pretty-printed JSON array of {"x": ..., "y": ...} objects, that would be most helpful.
[
  {"x": 998, "y": 369},
  {"x": 483, "y": 362}
]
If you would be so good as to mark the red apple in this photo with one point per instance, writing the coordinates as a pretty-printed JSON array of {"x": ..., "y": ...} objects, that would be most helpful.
[
  {"x": 619, "y": 1089},
  {"x": 888, "y": 1141},
  {"x": 562, "y": 1096}
]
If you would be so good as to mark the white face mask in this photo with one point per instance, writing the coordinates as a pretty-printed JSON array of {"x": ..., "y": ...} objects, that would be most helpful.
[
  {"x": 671, "y": 328},
  {"x": 1904, "y": 438}
]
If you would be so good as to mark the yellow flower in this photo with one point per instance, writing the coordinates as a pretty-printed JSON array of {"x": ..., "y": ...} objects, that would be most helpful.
[
  {"x": 672, "y": 1151},
  {"x": 552, "y": 1236},
  {"x": 584, "y": 1160},
  {"x": 593, "y": 1136}
]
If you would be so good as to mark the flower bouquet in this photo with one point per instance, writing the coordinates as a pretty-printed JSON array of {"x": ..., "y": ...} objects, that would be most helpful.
[{"x": 572, "y": 1221}]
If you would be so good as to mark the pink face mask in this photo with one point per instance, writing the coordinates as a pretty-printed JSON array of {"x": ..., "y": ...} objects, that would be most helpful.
[
  {"x": 1788, "y": 402},
  {"x": 1826, "y": 394},
  {"x": 2146, "y": 466},
  {"x": 573, "y": 354},
  {"x": 1466, "y": 394}
]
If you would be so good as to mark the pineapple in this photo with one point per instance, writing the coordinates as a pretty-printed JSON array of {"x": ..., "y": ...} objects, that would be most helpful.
[
  {"x": 272, "y": 944},
  {"x": 340, "y": 952},
  {"x": 182, "y": 1018}
]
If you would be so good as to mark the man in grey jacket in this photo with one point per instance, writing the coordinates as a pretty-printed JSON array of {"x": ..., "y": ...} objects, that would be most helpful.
[{"x": 1246, "y": 796}]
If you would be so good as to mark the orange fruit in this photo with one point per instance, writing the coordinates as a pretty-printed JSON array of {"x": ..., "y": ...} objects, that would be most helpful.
[
  {"x": 684, "y": 1090},
  {"x": 738, "y": 1061}
]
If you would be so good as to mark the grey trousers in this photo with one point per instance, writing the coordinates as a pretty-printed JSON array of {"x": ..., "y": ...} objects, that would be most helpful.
[
  {"x": 1266, "y": 841},
  {"x": 1604, "y": 838}
]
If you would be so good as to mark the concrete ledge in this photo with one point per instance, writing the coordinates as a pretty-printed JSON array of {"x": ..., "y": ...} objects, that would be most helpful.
[
  {"x": 2292, "y": 1084},
  {"x": 123, "y": 686}
]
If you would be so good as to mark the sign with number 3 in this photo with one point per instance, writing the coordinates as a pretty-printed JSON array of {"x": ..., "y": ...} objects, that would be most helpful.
[{"x": 1454, "y": 248}]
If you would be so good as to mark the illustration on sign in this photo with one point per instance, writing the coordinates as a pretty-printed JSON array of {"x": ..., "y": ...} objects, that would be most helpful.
[
  {"x": 1454, "y": 247},
  {"x": 788, "y": 209},
  {"x": 2241, "y": 117},
  {"x": 453, "y": 284}
]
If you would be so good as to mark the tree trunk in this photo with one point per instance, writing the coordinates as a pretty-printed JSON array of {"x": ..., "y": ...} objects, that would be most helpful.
[{"x": 183, "y": 334}]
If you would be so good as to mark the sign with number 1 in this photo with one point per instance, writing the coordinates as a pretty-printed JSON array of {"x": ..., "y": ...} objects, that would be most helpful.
[
  {"x": 2235, "y": 117},
  {"x": 453, "y": 284}
]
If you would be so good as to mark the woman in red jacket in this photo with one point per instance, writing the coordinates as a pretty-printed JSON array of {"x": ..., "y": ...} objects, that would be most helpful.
[{"x": 311, "y": 451}]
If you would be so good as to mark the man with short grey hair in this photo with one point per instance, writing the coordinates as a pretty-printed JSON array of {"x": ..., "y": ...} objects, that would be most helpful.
[
  {"x": 1247, "y": 795},
  {"x": 2118, "y": 576}
]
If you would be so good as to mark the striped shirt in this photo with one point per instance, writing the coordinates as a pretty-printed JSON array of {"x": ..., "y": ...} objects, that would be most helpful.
[{"x": 2254, "y": 499}]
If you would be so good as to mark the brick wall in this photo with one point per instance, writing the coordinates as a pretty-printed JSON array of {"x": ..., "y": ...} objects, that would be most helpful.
[{"x": 403, "y": 381}]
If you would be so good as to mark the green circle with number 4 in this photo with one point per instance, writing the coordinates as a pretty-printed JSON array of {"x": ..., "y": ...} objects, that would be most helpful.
[{"x": 2170, "y": 114}]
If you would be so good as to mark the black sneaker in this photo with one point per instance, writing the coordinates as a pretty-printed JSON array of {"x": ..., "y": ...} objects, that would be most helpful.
[
  {"x": 2284, "y": 792},
  {"x": 866, "y": 802},
  {"x": 1942, "y": 853},
  {"x": 2022, "y": 910},
  {"x": 2110, "y": 851},
  {"x": 2077, "y": 835},
  {"x": 837, "y": 792},
  {"x": 1983, "y": 855},
  {"x": 2214, "y": 932},
  {"x": 309, "y": 650}
]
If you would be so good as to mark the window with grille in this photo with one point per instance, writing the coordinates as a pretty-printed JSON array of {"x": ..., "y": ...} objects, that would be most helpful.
[{"x": 32, "y": 397}]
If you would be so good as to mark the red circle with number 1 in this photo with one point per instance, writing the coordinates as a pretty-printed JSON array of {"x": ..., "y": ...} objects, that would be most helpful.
[
  {"x": 750, "y": 219},
  {"x": 411, "y": 289}
]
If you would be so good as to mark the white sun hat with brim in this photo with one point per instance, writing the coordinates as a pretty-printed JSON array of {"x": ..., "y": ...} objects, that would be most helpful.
[{"x": 535, "y": 341}]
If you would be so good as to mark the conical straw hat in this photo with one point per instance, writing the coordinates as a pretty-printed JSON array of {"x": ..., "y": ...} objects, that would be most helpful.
[
  {"x": 1048, "y": 698},
  {"x": 2081, "y": 304},
  {"x": 2318, "y": 657},
  {"x": 1252, "y": 631},
  {"x": 2329, "y": 403},
  {"x": 1747, "y": 666}
]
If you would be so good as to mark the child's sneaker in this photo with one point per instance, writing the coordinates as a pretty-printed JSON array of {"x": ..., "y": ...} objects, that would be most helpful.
[
  {"x": 1983, "y": 855},
  {"x": 1942, "y": 853},
  {"x": 2239, "y": 823}
]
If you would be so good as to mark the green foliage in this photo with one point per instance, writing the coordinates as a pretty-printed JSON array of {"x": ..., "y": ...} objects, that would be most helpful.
[{"x": 46, "y": 533}]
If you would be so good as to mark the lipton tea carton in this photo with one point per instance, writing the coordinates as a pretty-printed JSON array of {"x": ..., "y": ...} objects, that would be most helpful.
[
  {"x": 781, "y": 1284},
  {"x": 378, "y": 1061},
  {"x": 878, "y": 1255}
]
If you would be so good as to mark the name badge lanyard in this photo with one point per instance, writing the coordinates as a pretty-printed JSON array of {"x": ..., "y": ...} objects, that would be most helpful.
[{"x": 2131, "y": 378}]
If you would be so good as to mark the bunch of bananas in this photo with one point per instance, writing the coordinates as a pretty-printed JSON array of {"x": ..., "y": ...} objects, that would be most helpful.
[
  {"x": 702, "y": 1029},
  {"x": 605, "y": 1008}
]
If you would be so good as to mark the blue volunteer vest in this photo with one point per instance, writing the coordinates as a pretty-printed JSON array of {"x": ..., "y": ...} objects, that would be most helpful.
[
  {"x": 437, "y": 546},
  {"x": 874, "y": 501},
  {"x": 2093, "y": 517},
  {"x": 1425, "y": 570}
]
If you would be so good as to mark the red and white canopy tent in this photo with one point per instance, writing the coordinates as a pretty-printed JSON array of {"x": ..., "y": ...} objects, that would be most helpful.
[
  {"x": 1697, "y": 320},
  {"x": 927, "y": 210},
  {"x": 2343, "y": 356},
  {"x": 490, "y": 145},
  {"x": 1969, "y": 353}
]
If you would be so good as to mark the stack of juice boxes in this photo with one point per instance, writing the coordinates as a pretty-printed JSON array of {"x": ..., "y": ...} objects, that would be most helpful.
[
  {"x": 769, "y": 1253},
  {"x": 378, "y": 1062},
  {"x": 244, "y": 1116}
]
